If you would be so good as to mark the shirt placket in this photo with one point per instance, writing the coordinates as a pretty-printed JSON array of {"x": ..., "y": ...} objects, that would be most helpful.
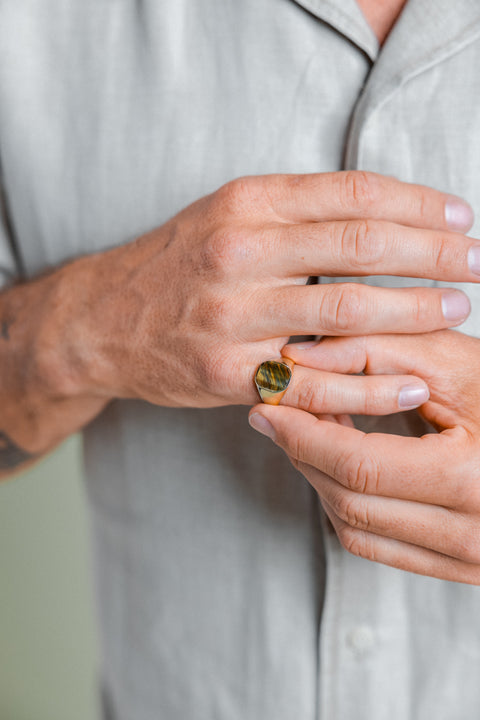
[{"x": 363, "y": 646}]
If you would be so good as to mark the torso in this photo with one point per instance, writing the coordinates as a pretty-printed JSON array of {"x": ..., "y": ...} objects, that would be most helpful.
[{"x": 208, "y": 546}]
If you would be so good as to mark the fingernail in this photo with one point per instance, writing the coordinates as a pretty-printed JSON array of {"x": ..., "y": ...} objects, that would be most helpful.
[
  {"x": 411, "y": 396},
  {"x": 458, "y": 214},
  {"x": 474, "y": 259},
  {"x": 262, "y": 425},
  {"x": 455, "y": 305}
]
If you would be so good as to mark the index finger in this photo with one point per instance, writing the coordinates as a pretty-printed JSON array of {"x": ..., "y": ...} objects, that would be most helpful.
[
  {"x": 407, "y": 468},
  {"x": 357, "y": 194}
]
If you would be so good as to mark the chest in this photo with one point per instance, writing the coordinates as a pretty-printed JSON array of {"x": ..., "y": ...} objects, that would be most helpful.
[{"x": 381, "y": 15}]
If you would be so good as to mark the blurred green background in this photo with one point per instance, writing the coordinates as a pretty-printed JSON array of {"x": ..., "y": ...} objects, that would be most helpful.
[{"x": 48, "y": 651}]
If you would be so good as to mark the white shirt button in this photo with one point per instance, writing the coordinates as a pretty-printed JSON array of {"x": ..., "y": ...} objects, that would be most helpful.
[{"x": 361, "y": 639}]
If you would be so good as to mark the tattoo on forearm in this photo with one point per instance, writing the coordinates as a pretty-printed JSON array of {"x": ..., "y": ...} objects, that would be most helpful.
[{"x": 11, "y": 456}]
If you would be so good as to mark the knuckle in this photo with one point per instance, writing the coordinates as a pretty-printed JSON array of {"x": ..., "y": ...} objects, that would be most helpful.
[
  {"x": 376, "y": 399},
  {"x": 420, "y": 307},
  {"x": 467, "y": 545},
  {"x": 341, "y": 308},
  {"x": 347, "y": 537},
  {"x": 310, "y": 396},
  {"x": 236, "y": 195},
  {"x": 358, "y": 189},
  {"x": 441, "y": 254},
  {"x": 351, "y": 510},
  {"x": 423, "y": 206},
  {"x": 362, "y": 474},
  {"x": 361, "y": 243},
  {"x": 221, "y": 253},
  {"x": 356, "y": 542}
]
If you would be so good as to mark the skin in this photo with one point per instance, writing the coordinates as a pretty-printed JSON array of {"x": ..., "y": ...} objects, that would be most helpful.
[
  {"x": 413, "y": 503},
  {"x": 127, "y": 324},
  {"x": 381, "y": 15}
]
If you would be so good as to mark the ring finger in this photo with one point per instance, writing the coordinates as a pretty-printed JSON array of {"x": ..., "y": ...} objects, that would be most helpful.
[{"x": 322, "y": 392}]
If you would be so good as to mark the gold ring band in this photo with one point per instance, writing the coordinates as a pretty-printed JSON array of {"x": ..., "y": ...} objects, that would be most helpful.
[{"x": 272, "y": 379}]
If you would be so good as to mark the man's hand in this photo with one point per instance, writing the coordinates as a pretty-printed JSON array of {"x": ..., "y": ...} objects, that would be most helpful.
[
  {"x": 183, "y": 316},
  {"x": 413, "y": 503}
]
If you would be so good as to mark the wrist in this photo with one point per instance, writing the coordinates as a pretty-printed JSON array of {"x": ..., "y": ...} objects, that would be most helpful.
[
  {"x": 45, "y": 392},
  {"x": 68, "y": 344}
]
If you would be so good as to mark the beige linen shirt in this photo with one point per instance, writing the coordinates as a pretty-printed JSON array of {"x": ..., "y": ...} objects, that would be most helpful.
[{"x": 221, "y": 594}]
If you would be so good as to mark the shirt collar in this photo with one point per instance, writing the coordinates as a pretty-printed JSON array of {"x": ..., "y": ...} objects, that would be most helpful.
[
  {"x": 346, "y": 17},
  {"x": 424, "y": 33}
]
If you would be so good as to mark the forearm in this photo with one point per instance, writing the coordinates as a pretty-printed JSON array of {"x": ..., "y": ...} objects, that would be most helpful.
[{"x": 45, "y": 392}]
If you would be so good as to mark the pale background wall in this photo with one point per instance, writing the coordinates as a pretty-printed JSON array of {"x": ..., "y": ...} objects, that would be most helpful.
[{"x": 47, "y": 640}]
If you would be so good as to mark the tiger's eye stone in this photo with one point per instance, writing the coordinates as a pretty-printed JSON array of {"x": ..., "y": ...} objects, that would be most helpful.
[{"x": 272, "y": 378}]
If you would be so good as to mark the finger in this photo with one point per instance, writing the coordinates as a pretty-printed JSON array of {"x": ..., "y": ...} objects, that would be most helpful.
[
  {"x": 320, "y": 392},
  {"x": 373, "y": 247},
  {"x": 430, "y": 469},
  {"x": 354, "y": 309},
  {"x": 401, "y": 555},
  {"x": 359, "y": 194},
  {"x": 446, "y": 360},
  {"x": 435, "y": 357},
  {"x": 358, "y": 354},
  {"x": 428, "y": 526}
]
